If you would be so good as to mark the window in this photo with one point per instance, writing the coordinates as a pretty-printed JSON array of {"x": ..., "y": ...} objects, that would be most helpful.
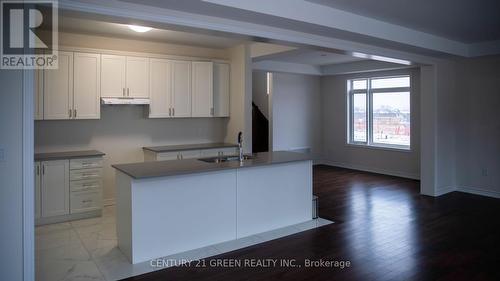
[{"x": 379, "y": 112}]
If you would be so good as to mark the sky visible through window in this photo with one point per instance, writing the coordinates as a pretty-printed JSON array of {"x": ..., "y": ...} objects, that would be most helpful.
[{"x": 390, "y": 112}]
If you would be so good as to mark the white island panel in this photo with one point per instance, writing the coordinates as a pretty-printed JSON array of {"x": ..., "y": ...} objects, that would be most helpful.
[
  {"x": 271, "y": 197},
  {"x": 180, "y": 213}
]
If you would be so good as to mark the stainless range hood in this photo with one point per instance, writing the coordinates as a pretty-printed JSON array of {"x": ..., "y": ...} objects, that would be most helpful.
[{"x": 136, "y": 101}]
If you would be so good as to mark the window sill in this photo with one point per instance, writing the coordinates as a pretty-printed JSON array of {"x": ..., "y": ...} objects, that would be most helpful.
[{"x": 381, "y": 147}]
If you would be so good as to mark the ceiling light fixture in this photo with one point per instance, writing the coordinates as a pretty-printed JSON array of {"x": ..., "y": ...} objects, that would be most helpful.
[{"x": 138, "y": 28}]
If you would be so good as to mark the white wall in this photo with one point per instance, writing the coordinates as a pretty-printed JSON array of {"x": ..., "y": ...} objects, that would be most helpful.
[
  {"x": 128, "y": 45},
  {"x": 335, "y": 149},
  {"x": 240, "y": 100},
  {"x": 11, "y": 180},
  {"x": 296, "y": 112},
  {"x": 121, "y": 133},
  {"x": 259, "y": 91},
  {"x": 478, "y": 126}
]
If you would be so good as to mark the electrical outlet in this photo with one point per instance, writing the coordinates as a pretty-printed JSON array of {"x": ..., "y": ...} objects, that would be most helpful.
[{"x": 484, "y": 172}]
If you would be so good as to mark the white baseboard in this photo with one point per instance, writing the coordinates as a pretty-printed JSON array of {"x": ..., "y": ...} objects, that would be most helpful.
[
  {"x": 369, "y": 169},
  {"x": 479, "y": 191},
  {"x": 108, "y": 202},
  {"x": 444, "y": 190}
]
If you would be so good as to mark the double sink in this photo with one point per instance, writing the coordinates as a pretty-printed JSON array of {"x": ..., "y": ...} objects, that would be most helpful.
[{"x": 221, "y": 159}]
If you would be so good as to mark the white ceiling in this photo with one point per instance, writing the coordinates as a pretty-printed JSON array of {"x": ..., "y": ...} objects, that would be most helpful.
[
  {"x": 87, "y": 26},
  {"x": 467, "y": 21},
  {"x": 312, "y": 57}
]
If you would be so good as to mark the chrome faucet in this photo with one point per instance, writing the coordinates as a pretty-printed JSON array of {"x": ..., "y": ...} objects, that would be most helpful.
[{"x": 240, "y": 146}]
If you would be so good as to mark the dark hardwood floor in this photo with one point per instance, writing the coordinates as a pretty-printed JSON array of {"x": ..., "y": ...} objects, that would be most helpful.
[{"x": 384, "y": 228}]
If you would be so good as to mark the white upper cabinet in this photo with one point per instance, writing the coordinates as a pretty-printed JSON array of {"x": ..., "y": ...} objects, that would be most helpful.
[
  {"x": 160, "y": 84},
  {"x": 202, "y": 89},
  {"x": 38, "y": 87},
  {"x": 181, "y": 88},
  {"x": 221, "y": 89},
  {"x": 54, "y": 188},
  {"x": 87, "y": 86},
  {"x": 137, "y": 77},
  {"x": 113, "y": 76},
  {"x": 58, "y": 89}
]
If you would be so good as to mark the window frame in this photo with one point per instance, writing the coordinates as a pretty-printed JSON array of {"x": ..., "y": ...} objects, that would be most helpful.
[{"x": 369, "y": 143}]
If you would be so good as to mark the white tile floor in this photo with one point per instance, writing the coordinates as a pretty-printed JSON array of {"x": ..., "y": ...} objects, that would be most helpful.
[{"x": 87, "y": 249}]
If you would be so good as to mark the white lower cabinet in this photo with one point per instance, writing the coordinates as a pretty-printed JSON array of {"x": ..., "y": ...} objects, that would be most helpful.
[
  {"x": 167, "y": 156},
  {"x": 178, "y": 155},
  {"x": 85, "y": 201},
  {"x": 210, "y": 152},
  {"x": 68, "y": 187},
  {"x": 55, "y": 188},
  {"x": 188, "y": 154},
  {"x": 229, "y": 151},
  {"x": 85, "y": 185},
  {"x": 38, "y": 183}
]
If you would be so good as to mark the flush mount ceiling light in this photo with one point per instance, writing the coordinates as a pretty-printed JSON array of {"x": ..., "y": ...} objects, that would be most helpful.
[{"x": 138, "y": 28}]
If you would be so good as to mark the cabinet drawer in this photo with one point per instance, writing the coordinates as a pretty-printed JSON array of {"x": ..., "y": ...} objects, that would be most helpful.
[
  {"x": 189, "y": 154},
  {"x": 210, "y": 152},
  {"x": 85, "y": 201},
  {"x": 85, "y": 174},
  {"x": 85, "y": 185},
  {"x": 229, "y": 151},
  {"x": 167, "y": 156},
  {"x": 85, "y": 163}
]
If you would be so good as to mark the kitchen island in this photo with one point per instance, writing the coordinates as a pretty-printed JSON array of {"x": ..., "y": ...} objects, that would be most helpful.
[{"x": 168, "y": 207}]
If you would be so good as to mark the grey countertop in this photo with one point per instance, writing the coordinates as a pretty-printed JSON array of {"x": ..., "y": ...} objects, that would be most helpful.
[
  {"x": 189, "y": 166},
  {"x": 170, "y": 148},
  {"x": 67, "y": 155}
]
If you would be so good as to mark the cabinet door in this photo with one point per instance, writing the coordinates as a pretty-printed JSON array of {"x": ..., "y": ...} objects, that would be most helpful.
[
  {"x": 167, "y": 156},
  {"x": 161, "y": 88},
  {"x": 87, "y": 88},
  {"x": 38, "y": 183},
  {"x": 202, "y": 89},
  {"x": 112, "y": 76},
  {"x": 210, "y": 152},
  {"x": 221, "y": 89},
  {"x": 58, "y": 89},
  {"x": 181, "y": 88},
  {"x": 137, "y": 77},
  {"x": 55, "y": 188},
  {"x": 38, "y": 87},
  {"x": 189, "y": 154}
]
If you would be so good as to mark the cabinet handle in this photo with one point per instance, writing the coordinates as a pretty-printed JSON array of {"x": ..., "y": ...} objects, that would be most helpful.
[
  {"x": 37, "y": 170},
  {"x": 169, "y": 111},
  {"x": 70, "y": 113},
  {"x": 74, "y": 113},
  {"x": 123, "y": 91},
  {"x": 43, "y": 169},
  {"x": 173, "y": 111},
  {"x": 212, "y": 111},
  {"x": 128, "y": 92}
]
